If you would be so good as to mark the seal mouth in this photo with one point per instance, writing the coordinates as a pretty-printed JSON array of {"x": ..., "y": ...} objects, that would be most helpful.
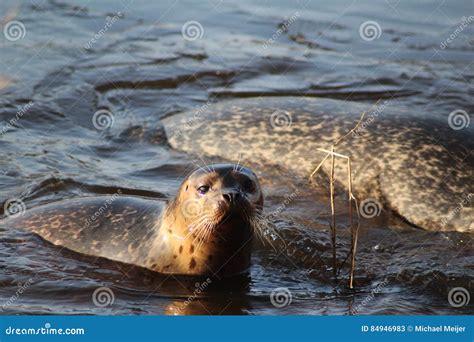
[
  {"x": 223, "y": 217},
  {"x": 237, "y": 208}
]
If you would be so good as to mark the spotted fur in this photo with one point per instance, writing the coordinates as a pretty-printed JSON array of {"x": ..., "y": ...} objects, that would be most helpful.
[{"x": 413, "y": 163}]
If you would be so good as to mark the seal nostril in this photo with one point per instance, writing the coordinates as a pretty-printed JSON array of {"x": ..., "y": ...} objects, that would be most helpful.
[
  {"x": 227, "y": 197},
  {"x": 232, "y": 197}
]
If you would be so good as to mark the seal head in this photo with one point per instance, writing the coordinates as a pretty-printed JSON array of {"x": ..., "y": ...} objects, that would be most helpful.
[{"x": 211, "y": 221}]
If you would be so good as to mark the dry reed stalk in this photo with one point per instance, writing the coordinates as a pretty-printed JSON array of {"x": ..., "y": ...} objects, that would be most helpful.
[
  {"x": 351, "y": 198},
  {"x": 333, "y": 214}
]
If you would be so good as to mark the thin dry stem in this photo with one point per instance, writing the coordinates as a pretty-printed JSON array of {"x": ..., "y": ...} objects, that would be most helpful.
[
  {"x": 351, "y": 223},
  {"x": 357, "y": 124},
  {"x": 319, "y": 166},
  {"x": 333, "y": 153},
  {"x": 333, "y": 214},
  {"x": 351, "y": 198}
]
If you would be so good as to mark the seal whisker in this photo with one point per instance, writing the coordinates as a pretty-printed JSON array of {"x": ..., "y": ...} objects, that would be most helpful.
[
  {"x": 208, "y": 168},
  {"x": 256, "y": 230},
  {"x": 206, "y": 231},
  {"x": 194, "y": 227},
  {"x": 205, "y": 169},
  {"x": 265, "y": 230},
  {"x": 200, "y": 228},
  {"x": 237, "y": 166},
  {"x": 256, "y": 226}
]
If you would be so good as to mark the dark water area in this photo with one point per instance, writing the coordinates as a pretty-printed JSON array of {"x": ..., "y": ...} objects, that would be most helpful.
[{"x": 131, "y": 59}]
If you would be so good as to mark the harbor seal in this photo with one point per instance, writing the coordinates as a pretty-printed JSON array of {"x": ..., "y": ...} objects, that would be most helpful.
[
  {"x": 206, "y": 229},
  {"x": 415, "y": 164}
]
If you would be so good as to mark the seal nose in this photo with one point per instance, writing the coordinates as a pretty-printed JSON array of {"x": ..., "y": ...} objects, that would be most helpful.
[{"x": 231, "y": 196}]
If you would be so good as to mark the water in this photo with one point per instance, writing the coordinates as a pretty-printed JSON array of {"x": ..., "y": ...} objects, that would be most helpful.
[{"x": 141, "y": 69}]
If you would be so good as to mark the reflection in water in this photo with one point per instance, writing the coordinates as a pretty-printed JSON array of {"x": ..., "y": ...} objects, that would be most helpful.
[
  {"x": 212, "y": 296},
  {"x": 203, "y": 306}
]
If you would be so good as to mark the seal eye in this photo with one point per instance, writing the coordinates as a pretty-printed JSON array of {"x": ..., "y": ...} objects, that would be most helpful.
[
  {"x": 249, "y": 185},
  {"x": 203, "y": 189}
]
